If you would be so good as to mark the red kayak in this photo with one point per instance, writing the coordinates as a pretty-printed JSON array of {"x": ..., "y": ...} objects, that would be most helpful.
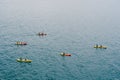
[{"x": 65, "y": 54}]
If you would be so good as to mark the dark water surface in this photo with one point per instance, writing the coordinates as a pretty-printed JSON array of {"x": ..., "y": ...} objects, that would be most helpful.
[{"x": 73, "y": 26}]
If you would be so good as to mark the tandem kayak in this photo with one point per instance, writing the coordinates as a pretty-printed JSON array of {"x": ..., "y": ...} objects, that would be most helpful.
[
  {"x": 21, "y": 43},
  {"x": 24, "y": 60},
  {"x": 101, "y": 47},
  {"x": 42, "y": 34},
  {"x": 65, "y": 54}
]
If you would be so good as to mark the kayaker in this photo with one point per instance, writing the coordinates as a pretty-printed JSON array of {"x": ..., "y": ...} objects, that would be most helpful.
[
  {"x": 100, "y": 46},
  {"x": 25, "y": 59},
  {"x": 17, "y": 42},
  {"x": 63, "y": 53},
  {"x": 20, "y": 59},
  {"x": 97, "y": 45}
]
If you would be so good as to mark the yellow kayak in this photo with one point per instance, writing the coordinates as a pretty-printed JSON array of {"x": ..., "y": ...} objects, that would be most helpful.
[
  {"x": 101, "y": 47},
  {"x": 24, "y": 60}
]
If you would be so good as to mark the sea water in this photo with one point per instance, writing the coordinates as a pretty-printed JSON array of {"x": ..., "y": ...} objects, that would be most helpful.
[{"x": 72, "y": 26}]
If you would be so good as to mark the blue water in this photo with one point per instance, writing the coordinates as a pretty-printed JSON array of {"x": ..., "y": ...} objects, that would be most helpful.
[{"x": 73, "y": 26}]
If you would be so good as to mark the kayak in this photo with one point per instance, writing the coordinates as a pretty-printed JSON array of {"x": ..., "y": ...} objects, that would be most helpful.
[
  {"x": 42, "y": 34},
  {"x": 65, "y": 54},
  {"x": 24, "y": 60},
  {"x": 21, "y": 43},
  {"x": 103, "y": 47}
]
